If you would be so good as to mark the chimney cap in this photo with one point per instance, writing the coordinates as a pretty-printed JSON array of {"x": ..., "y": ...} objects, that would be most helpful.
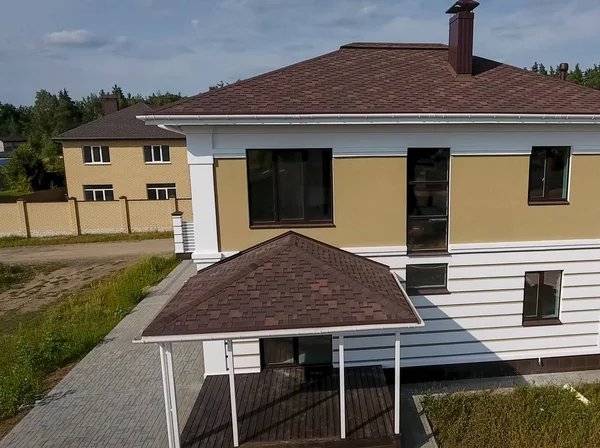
[
  {"x": 462, "y": 6},
  {"x": 563, "y": 67}
]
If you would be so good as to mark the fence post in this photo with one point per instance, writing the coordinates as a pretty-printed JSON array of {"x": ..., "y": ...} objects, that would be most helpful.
[
  {"x": 74, "y": 216},
  {"x": 174, "y": 205},
  {"x": 178, "y": 232},
  {"x": 125, "y": 224},
  {"x": 23, "y": 218}
]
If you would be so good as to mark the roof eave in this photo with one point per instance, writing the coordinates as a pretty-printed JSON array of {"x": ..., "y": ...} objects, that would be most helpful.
[
  {"x": 366, "y": 119},
  {"x": 308, "y": 331}
]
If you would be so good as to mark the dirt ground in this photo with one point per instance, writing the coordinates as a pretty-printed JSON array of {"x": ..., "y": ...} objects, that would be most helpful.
[{"x": 67, "y": 268}]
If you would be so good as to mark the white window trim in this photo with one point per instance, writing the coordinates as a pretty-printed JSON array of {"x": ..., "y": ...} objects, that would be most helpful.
[
  {"x": 98, "y": 190},
  {"x": 165, "y": 189},
  {"x": 158, "y": 162},
  {"x": 101, "y": 162}
]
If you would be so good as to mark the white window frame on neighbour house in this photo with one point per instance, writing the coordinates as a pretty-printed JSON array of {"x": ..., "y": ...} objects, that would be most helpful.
[
  {"x": 99, "y": 192},
  {"x": 168, "y": 190},
  {"x": 99, "y": 155},
  {"x": 155, "y": 154}
]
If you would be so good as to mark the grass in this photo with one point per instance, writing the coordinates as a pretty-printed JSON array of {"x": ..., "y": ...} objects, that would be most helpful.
[
  {"x": 528, "y": 417},
  {"x": 12, "y": 275},
  {"x": 18, "y": 241},
  {"x": 68, "y": 330}
]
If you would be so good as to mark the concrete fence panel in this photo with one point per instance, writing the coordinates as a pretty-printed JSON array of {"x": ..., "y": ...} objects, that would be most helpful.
[
  {"x": 49, "y": 218},
  {"x": 10, "y": 224},
  {"x": 150, "y": 216},
  {"x": 100, "y": 217}
]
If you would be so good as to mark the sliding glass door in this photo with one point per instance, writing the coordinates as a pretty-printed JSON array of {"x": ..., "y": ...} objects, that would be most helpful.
[{"x": 302, "y": 351}]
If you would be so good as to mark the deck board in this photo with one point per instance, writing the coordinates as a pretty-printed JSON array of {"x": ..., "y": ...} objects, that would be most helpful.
[{"x": 293, "y": 404}]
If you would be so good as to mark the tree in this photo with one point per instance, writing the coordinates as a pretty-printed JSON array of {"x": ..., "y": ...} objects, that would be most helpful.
[
  {"x": 535, "y": 67},
  {"x": 90, "y": 107},
  {"x": 160, "y": 99},
  {"x": 576, "y": 76},
  {"x": 25, "y": 171}
]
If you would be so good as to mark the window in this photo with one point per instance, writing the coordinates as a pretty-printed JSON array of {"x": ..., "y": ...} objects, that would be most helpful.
[
  {"x": 427, "y": 199},
  {"x": 303, "y": 351},
  {"x": 549, "y": 175},
  {"x": 157, "y": 154},
  {"x": 161, "y": 191},
  {"x": 427, "y": 278},
  {"x": 287, "y": 187},
  {"x": 98, "y": 193},
  {"x": 96, "y": 154},
  {"x": 541, "y": 298}
]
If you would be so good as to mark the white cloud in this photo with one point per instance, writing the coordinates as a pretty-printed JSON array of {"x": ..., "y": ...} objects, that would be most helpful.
[{"x": 75, "y": 38}]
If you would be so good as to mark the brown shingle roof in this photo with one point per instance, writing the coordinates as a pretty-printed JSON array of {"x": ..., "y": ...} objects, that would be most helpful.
[
  {"x": 391, "y": 78},
  {"x": 289, "y": 282},
  {"x": 119, "y": 125}
]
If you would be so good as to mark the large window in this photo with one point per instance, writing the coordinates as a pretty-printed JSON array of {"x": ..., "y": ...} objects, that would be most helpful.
[
  {"x": 289, "y": 187},
  {"x": 96, "y": 154},
  {"x": 157, "y": 154},
  {"x": 161, "y": 191},
  {"x": 427, "y": 199},
  {"x": 427, "y": 278},
  {"x": 98, "y": 193},
  {"x": 549, "y": 175},
  {"x": 303, "y": 351},
  {"x": 541, "y": 300}
]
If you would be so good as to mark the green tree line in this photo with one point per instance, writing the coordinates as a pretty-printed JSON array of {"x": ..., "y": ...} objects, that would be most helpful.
[
  {"x": 38, "y": 164},
  {"x": 589, "y": 77}
]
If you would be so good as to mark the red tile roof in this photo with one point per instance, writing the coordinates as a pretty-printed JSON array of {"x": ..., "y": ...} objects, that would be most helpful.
[
  {"x": 288, "y": 282},
  {"x": 391, "y": 78}
]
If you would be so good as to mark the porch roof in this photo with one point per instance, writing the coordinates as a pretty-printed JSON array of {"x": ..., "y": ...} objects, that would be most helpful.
[{"x": 290, "y": 284}]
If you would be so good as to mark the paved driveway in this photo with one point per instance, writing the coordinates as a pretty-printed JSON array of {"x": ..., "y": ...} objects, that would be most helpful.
[
  {"x": 89, "y": 251},
  {"x": 114, "y": 397}
]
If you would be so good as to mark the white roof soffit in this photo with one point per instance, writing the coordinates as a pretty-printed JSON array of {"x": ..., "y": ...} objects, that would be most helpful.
[{"x": 325, "y": 119}]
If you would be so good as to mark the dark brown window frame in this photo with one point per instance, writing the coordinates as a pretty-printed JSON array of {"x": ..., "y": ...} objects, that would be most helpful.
[
  {"x": 545, "y": 200},
  {"x": 430, "y": 291},
  {"x": 296, "y": 363},
  {"x": 538, "y": 320},
  {"x": 434, "y": 251},
  {"x": 280, "y": 224}
]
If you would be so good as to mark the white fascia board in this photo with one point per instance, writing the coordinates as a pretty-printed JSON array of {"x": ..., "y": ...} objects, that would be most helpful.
[
  {"x": 325, "y": 119},
  {"x": 341, "y": 330}
]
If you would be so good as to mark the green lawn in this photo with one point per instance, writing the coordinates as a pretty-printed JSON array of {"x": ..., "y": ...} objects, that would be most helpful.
[
  {"x": 528, "y": 417},
  {"x": 69, "y": 329},
  {"x": 18, "y": 241}
]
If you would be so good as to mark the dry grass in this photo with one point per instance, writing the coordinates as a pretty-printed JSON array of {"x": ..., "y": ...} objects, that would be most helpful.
[{"x": 18, "y": 241}]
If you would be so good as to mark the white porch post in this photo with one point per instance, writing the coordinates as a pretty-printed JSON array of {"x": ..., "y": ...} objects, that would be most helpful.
[
  {"x": 234, "y": 421},
  {"x": 342, "y": 389},
  {"x": 166, "y": 364},
  {"x": 397, "y": 384}
]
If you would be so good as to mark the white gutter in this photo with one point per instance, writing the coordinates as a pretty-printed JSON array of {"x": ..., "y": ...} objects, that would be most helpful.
[
  {"x": 322, "y": 119},
  {"x": 274, "y": 333}
]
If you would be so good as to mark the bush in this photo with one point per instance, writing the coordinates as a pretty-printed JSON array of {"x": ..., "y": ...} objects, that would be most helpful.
[
  {"x": 25, "y": 170},
  {"x": 69, "y": 330}
]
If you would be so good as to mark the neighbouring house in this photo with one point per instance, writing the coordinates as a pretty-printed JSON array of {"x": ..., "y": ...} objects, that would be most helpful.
[
  {"x": 117, "y": 155},
  {"x": 7, "y": 146},
  {"x": 391, "y": 206}
]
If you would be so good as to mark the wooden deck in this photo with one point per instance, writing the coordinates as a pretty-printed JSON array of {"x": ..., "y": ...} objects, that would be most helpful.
[{"x": 296, "y": 405}]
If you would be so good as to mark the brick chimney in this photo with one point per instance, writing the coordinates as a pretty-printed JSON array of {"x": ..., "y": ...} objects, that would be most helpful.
[
  {"x": 110, "y": 103},
  {"x": 460, "y": 46}
]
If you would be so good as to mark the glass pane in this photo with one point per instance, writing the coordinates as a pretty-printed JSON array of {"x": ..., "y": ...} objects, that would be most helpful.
[
  {"x": 162, "y": 194},
  {"x": 87, "y": 154},
  {"x": 261, "y": 185},
  {"x": 156, "y": 154},
  {"x": 147, "y": 154},
  {"x": 318, "y": 196},
  {"x": 427, "y": 233},
  {"x": 557, "y": 172},
  {"x": 530, "y": 302},
  {"x": 98, "y": 195},
  {"x": 96, "y": 154},
  {"x": 549, "y": 294},
  {"x": 426, "y": 276},
  {"x": 105, "y": 154},
  {"x": 166, "y": 155},
  {"x": 314, "y": 350},
  {"x": 152, "y": 194},
  {"x": 89, "y": 195},
  {"x": 109, "y": 195},
  {"x": 290, "y": 194},
  {"x": 537, "y": 167},
  {"x": 278, "y": 351},
  {"x": 428, "y": 164},
  {"x": 428, "y": 200},
  {"x": 172, "y": 193}
]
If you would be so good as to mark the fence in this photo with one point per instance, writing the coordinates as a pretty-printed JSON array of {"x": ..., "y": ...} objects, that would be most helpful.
[{"x": 76, "y": 218}]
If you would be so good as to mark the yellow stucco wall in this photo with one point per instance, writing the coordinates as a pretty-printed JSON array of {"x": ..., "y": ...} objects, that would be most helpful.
[
  {"x": 50, "y": 218},
  {"x": 10, "y": 222},
  {"x": 100, "y": 217},
  {"x": 369, "y": 198},
  {"x": 488, "y": 202},
  {"x": 127, "y": 171}
]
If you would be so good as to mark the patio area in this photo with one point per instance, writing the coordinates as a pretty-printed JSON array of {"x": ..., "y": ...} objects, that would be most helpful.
[{"x": 296, "y": 405}]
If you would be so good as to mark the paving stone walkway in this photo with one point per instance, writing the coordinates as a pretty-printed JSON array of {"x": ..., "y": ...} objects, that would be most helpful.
[{"x": 114, "y": 396}]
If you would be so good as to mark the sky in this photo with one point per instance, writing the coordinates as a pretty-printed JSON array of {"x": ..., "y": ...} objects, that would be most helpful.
[{"x": 187, "y": 45}]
